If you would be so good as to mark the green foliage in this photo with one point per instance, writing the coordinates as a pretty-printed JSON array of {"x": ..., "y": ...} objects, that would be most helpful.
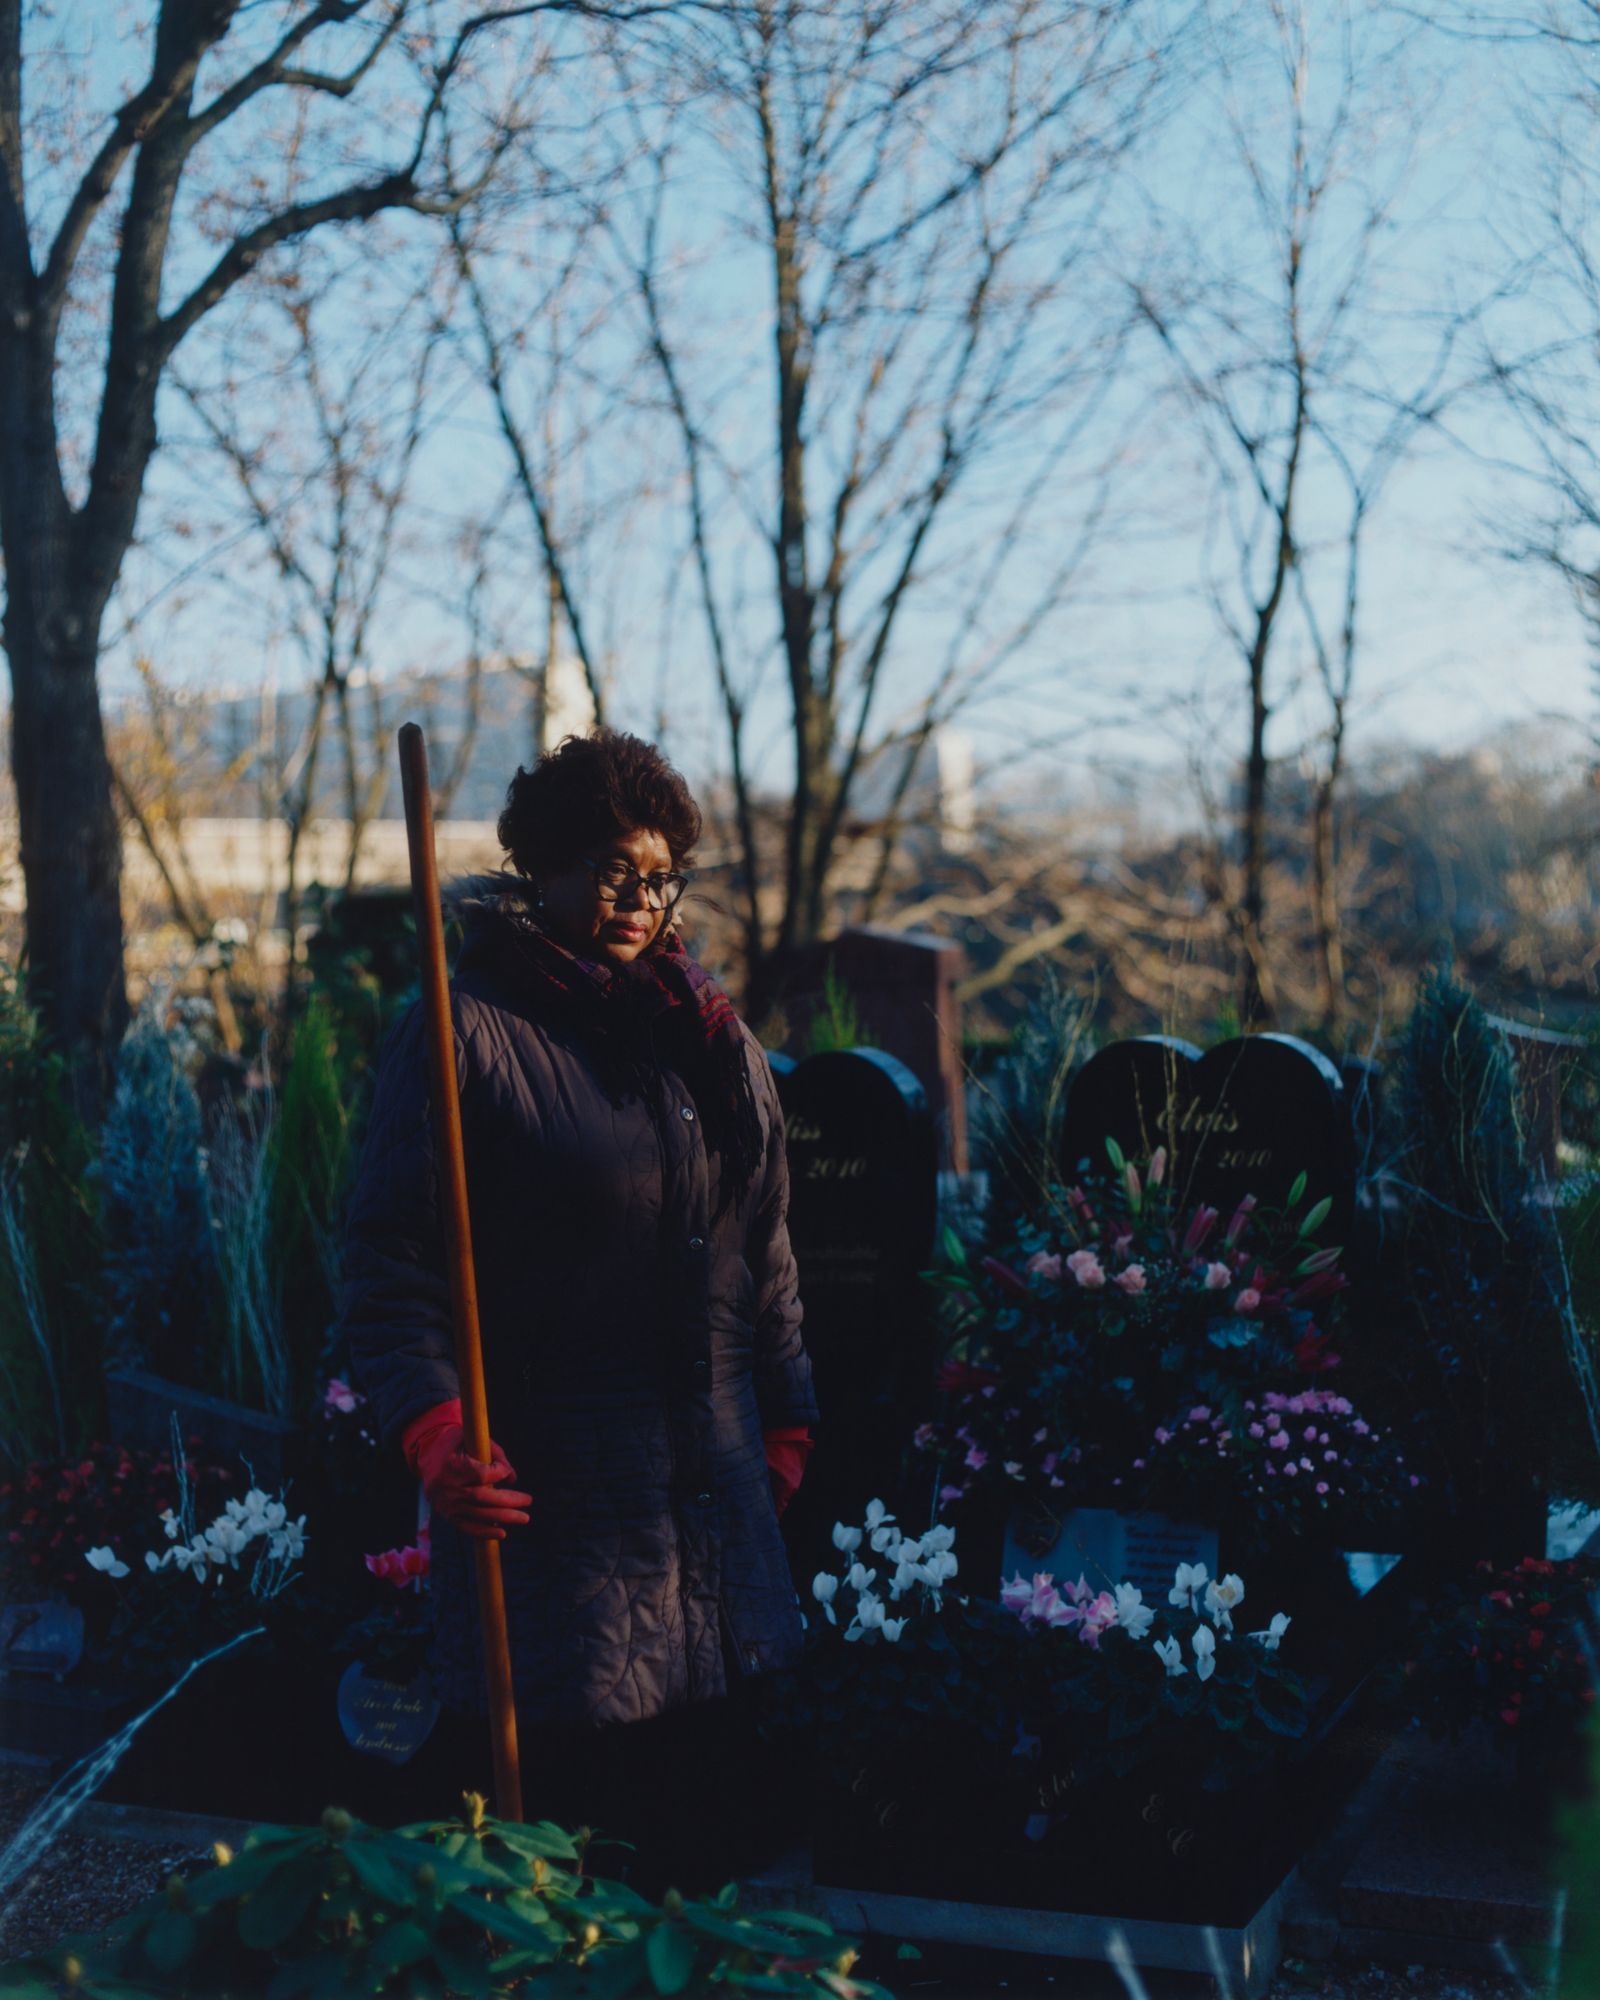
[
  {"x": 1579, "y": 1863},
  {"x": 1479, "y": 1364},
  {"x": 50, "y": 1311},
  {"x": 159, "y": 1269},
  {"x": 836, "y": 1024},
  {"x": 476, "y": 1906},
  {"x": 1016, "y": 1116},
  {"x": 310, "y": 1155}
]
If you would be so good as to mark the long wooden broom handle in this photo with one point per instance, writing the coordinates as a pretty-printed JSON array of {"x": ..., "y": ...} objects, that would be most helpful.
[{"x": 452, "y": 1161}]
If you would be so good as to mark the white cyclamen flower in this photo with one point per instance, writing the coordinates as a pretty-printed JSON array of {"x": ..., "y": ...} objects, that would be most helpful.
[
  {"x": 1170, "y": 1654},
  {"x": 860, "y": 1578},
  {"x": 154, "y": 1562},
  {"x": 1205, "y": 1648},
  {"x": 289, "y": 1540},
  {"x": 877, "y": 1514},
  {"x": 939, "y": 1567},
  {"x": 1133, "y": 1614},
  {"x": 886, "y": 1540},
  {"x": 892, "y": 1627},
  {"x": 1221, "y": 1598},
  {"x": 1189, "y": 1579},
  {"x": 906, "y": 1550},
  {"x": 936, "y": 1540},
  {"x": 1275, "y": 1630},
  {"x": 870, "y": 1612},
  {"x": 106, "y": 1559},
  {"x": 906, "y": 1574},
  {"x": 169, "y": 1521},
  {"x": 191, "y": 1556},
  {"x": 224, "y": 1540},
  {"x": 845, "y": 1538}
]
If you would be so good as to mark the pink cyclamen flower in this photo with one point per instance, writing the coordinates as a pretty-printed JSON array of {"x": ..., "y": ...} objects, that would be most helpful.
[
  {"x": 340, "y": 1396},
  {"x": 977, "y": 1458},
  {"x": 1279, "y": 1441},
  {"x": 923, "y": 1436},
  {"x": 949, "y": 1493},
  {"x": 1132, "y": 1280},
  {"x": 1322, "y": 1486},
  {"x": 1163, "y": 1435},
  {"x": 1256, "y": 1431},
  {"x": 1086, "y": 1267},
  {"x": 1218, "y": 1277},
  {"x": 1248, "y": 1300},
  {"x": 400, "y": 1566},
  {"x": 1200, "y": 1414}
]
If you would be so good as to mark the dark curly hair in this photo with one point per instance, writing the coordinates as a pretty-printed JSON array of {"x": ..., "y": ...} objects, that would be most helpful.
[{"x": 588, "y": 790}]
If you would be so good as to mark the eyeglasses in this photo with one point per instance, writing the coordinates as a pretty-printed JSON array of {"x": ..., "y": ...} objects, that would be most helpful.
[{"x": 615, "y": 879}]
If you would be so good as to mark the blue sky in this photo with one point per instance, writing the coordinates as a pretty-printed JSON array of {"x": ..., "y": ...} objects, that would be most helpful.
[{"x": 1133, "y": 673}]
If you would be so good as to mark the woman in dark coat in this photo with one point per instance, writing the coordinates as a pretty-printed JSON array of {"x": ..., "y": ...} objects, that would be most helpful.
[{"x": 647, "y": 1385}]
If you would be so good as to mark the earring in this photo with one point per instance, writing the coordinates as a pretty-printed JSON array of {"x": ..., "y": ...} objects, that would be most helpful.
[{"x": 538, "y": 899}]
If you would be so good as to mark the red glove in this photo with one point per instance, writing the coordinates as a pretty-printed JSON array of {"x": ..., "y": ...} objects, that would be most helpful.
[
  {"x": 469, "y": 1494},
  {"x": 786, "y": 1461}
]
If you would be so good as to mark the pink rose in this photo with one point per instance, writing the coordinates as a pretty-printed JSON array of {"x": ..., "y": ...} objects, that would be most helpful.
[
  {"x": 1085, "y": 1266},
  {"x": 1218, "y": 1277},
  {"x": 1046, "y": 1264},
  {"x": 1248, "y": 1300},
  {"x": 1132, "y": 1279}
]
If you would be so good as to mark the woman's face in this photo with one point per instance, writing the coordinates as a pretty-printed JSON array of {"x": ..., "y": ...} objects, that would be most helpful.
[{"x": 580, "y": 916}]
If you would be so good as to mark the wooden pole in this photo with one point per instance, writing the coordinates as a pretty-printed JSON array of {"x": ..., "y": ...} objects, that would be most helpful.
[{"x": 458, "y": 1250}]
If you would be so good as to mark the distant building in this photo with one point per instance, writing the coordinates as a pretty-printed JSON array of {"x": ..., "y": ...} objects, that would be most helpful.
[{"x": 937, "y": 812}]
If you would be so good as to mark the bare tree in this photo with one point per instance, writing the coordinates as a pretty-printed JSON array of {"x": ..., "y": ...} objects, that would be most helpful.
[
  {"x": 1277, "y": 326},
  {"x": 353, "y": 93},
  {"x": 903, "y": 420},
  {"x": 321, "y": 450}
]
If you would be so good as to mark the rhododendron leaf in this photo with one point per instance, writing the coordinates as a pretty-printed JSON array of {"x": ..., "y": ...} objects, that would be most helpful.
[
  {"x": 671, "y": 1954},
  {"x": 1297, "y": 1190},
  {"x": 954, "y": 1248}
]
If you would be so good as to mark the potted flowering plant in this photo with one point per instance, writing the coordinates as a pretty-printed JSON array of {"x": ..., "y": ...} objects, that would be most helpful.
[
  {"x": 958, "y": 1742},
  {"x": 1507, "y": 1651},
  {"x": 1167, "y": 1743},
  {"x": 1121, "y": 1350}
]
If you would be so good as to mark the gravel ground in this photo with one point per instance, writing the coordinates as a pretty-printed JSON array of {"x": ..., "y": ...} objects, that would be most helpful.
[
  {"x": 85, "y": 1880},
  {"x": 89, "y": 1878}
]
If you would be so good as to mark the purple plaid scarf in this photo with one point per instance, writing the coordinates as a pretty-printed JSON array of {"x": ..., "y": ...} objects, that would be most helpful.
[{"x": 610, "y": 1006}]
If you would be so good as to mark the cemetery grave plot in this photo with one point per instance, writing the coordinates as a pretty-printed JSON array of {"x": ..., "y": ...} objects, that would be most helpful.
[{"x": 1261, "y": 1130}]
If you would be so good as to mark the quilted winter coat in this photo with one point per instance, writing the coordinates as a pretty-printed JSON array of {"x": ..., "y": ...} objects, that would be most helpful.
[{"x": 634, "y": 1354}]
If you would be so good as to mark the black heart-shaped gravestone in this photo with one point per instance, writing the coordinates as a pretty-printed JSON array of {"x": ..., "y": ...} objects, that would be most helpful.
[
  {"x": 862, "y": 1207},
  {"x": 1247, "y": 1117},
  {"x": 387, "y": 1719}
]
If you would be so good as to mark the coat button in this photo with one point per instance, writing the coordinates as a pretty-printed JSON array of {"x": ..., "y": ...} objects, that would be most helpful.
[
  {"x": 686, "y": 1111},
  {"x": 700, "y": 1367},
  {"x": 704, "y": 1499},
  {"x": 697, "y": 1242}
]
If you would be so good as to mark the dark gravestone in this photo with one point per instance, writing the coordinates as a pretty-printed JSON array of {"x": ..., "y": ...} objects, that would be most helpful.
[
  {"x": 1247, "y": 1117},
  {"x": 42, "y": 1638},
  {"x": 861, "y": 1219},
  {"x": 902, "y": 985},
  {"x": 387, "y": 1719}
]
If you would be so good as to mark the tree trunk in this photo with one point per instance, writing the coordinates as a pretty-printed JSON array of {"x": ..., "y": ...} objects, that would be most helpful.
[
  {"x": 70, "y": 836},
  {"x": 1327, "y": 932}
]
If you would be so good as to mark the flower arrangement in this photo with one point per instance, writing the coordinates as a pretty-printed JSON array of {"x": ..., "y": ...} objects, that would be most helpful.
[
  {"x": 1178, "y": 1678},
  {"x": 1284, "y": 1456},
  {"x": 1126, "y": 1342},
  {"x": 915, "y": 1571},
  {"x": 1506, "y": 1647},
  {"x": 257, "y": 1522},
  {"x": 58, "y": 1509}
]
